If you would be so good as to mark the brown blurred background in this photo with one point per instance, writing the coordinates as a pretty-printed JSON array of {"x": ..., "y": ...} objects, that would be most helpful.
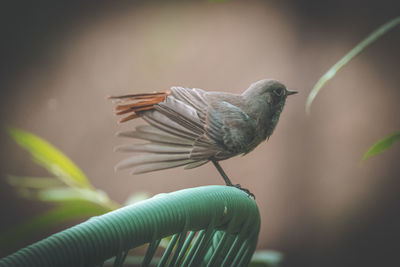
[{"x": 319, "y": 206}]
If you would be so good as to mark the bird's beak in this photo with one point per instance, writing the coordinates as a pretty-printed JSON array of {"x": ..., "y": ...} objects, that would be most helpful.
[{"x": 291, "y": 92}]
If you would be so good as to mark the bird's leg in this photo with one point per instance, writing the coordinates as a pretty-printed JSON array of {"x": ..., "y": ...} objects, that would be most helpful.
[
  {"x": 228, "y": 181},
  {"x": 223, "y": 174}
]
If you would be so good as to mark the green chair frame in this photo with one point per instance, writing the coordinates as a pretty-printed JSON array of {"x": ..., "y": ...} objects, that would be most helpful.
[{"x": 209, "y": 225}]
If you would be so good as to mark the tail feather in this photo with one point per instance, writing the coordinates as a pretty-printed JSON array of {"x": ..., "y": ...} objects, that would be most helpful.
[
  {"x": 130, "y": 117},
  {"x": 137, "y": 103},
  {"x": 123, "y": 98},
  {"x": 143, "y": 159},
  {"x": 196, "y": 164},
  {"x": 156, "y": 137},
  {"x": 154, "y": 148},
  {"x": 160, "y": 166}
]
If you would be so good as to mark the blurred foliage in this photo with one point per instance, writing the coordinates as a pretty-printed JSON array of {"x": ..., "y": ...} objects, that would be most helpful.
[
  {"x": 49, "y": 157},
  {"x": 349, "y": 56},
  {"x": 51, "y": 218},
  {"x": 382, "y": 145},
  {"x": 70, "y": 192},
  {"x": 266, "y": 258},
  {"x": 388, "y": 141},
  {"x": 136, "y": 198}
]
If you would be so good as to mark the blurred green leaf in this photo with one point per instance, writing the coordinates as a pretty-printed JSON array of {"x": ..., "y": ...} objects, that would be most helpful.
[
  {"x": 382, "y": 145},
  {"x": 349, "y": 56},
  {"x": 165, "y": 242},
  {"x": 74, "y": 195},
  {"x": 63, "y": 194},
  {"x": 136, "y": 197},
  {"x": 32, "y": 182},
  {"x": 266, "y": 258},
  {"x": 50, "y": 158},
  {"x": 70, "y": 210},
  {"x": 27, "y": 187},
  {"x": 52, "y": 190}
]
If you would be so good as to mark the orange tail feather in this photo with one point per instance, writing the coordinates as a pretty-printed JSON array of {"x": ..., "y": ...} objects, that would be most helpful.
[{"x": 134, "y": 104}]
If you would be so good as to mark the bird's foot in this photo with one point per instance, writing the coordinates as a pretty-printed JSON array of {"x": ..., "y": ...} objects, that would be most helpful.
[{"x": 247, "y": 191}]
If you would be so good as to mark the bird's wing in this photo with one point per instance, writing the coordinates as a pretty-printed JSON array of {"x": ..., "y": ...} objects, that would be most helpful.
[
  {"x": 188, "y": 128},
  {"x": 230, "y": 127},
  {"x": 176, "y": 127},
  {"x": 219, "y": 128}
]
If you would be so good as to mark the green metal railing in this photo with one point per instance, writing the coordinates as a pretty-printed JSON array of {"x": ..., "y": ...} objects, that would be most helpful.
[{"x": 209, "y": 225}]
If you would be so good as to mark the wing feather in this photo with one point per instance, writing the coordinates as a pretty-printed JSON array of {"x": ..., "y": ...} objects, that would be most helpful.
[
  {"x": 155, "y": 137},
  {"x": 160, "y": 166},
  {"x": 190, "y": 127},
  {"x": 155, "y": 148},
  {"x": 142, "y": 159}
]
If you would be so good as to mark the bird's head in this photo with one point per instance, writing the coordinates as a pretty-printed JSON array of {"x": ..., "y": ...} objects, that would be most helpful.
[{"x": 271, "y": 91}]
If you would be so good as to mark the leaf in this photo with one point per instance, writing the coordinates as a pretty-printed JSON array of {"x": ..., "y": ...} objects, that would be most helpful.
[
  {"x": 50, "y": 158},
  {"x": 32, "y": 182},
  {"x": 382, "y": 145},
  {"x": 49, "y": 219},
  {"x": 65, "y": 194},
  {"x": 136, "y": 197},
  {"x": 51, "y": 190},
  {"x": 349, "y": 56},
  {"x": 266, "y": 258}
]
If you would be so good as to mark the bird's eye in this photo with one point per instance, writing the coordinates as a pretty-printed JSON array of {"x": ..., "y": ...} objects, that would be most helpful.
[{"x": 278, "y": 92}]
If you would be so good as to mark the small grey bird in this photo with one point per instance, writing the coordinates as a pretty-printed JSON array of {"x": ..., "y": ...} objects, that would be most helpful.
[{"x": 192, "y": 127}]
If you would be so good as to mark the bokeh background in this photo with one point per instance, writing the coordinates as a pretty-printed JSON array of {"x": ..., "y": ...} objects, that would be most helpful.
[{"x": 319, "y": 205}]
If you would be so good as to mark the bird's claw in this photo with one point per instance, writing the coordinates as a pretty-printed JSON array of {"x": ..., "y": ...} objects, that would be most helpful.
[{"x": 247, "y": 191}]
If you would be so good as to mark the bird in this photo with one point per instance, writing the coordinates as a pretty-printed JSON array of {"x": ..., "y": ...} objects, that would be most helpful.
[{"x": 191, "y": 127}]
